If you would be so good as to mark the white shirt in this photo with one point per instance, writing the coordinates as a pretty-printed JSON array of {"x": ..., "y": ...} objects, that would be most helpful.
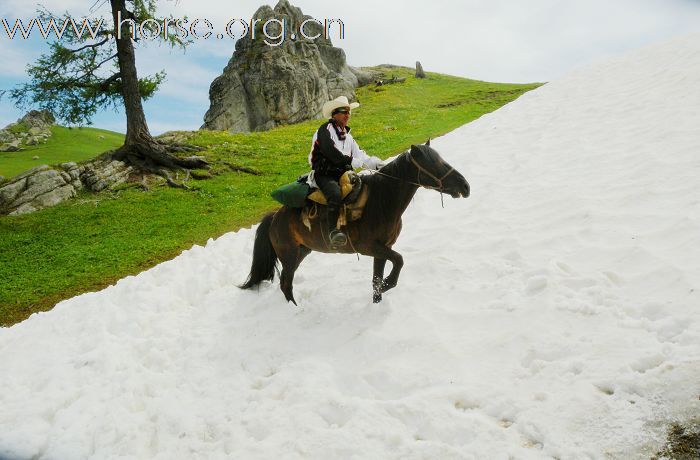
[{"x": 348, "y": 147}]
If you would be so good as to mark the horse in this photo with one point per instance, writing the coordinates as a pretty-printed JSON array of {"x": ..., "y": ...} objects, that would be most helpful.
[{"x": 282, "y": 235}]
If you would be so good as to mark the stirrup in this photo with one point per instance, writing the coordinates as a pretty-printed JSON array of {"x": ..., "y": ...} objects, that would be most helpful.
[{"x": 337, "y": 239}]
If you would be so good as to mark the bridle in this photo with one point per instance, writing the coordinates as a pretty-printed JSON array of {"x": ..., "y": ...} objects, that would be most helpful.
[
  {"x": 438, "y": 180},
  {"x": 421, "y": 169}
]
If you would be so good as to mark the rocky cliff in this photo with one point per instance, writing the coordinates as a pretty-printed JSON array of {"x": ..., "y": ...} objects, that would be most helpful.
[
  {"x": 264, "y": 86},
  {"x": 33, "y": 128}
]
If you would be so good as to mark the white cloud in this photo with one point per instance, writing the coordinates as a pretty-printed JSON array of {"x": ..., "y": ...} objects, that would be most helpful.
[
  {"x": 501, "y": 40},
  {"x": 185, "y": 78}
]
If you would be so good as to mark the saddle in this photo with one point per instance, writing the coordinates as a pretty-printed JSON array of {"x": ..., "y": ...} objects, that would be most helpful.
[
  {"x": 354, "y": 194},
  {"x": 350, "y": 185}
]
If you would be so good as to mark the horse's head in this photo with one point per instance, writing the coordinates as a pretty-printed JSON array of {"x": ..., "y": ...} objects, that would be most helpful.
[{"x": 435, "y": 173}]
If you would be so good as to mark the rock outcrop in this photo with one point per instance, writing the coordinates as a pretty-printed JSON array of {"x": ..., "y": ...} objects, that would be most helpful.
[
  {"x": 420, "y": 73},
  {"x": 39, "y": 188},
  {"x": 44, "y": 186},
  {"x": 265, "y": 86},
  {"x": 31, "y": 129}
]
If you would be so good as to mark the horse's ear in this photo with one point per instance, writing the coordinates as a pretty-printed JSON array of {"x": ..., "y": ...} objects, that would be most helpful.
[{"x": 428, "y": 143}]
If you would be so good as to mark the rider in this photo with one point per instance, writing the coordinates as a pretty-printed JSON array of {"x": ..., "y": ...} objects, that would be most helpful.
[{"x": 334, "y": 151}]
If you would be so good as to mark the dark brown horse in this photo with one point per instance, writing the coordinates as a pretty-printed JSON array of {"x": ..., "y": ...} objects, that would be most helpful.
[{"x": 282, "y": 235}]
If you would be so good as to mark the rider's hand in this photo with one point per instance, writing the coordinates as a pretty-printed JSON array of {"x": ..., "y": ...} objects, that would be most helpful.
[
  {"x": 374, "y": 163},
  {"x": 354, "y": 178}
]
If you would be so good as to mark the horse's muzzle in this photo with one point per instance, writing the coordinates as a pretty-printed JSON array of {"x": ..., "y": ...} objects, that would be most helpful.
[
  {"x": 465, "y": 190},
  {"x": 459, "y": 190}
]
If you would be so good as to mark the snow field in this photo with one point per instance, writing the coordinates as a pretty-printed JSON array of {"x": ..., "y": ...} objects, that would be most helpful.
[{"x": 553, "y": 314}]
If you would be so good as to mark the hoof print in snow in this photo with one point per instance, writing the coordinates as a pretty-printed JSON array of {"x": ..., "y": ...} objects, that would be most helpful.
[
  {"x": 536, "y": 285},
  {"x": 465, "y": 406},
  {"x": 606, "y": 389}
]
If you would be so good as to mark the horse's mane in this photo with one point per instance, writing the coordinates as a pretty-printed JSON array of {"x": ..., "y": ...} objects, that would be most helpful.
[{"x": 384, "y": 191}]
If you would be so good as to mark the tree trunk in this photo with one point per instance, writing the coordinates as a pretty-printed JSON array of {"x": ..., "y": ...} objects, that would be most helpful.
[
  {"x": 136, "y": 127},
  {"x": 140, "y": 149}
]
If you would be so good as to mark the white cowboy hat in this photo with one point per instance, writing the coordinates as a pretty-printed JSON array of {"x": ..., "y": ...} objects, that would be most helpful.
[{"x": 340, "y": 101}]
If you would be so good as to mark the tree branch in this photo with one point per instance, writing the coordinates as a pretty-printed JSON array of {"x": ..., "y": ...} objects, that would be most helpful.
[
  {"x": 93, "y": 45},
  {"x": 100, "y": 64},
  {"x": 105, "y": 84}
]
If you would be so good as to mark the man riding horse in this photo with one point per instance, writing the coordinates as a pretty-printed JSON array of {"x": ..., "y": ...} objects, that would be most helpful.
[{"x": 334, "y": 151}]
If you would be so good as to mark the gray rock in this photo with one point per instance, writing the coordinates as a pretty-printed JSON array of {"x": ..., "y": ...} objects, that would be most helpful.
[
  {"x": 37, "y": 188},
  {"x": 177, "y": 137},
  {"x": 45, "y": 200},
  {"x": 6, "y": 136},
  {"x": 40, "y": 119},
  {"x": 13, "y": 146},
  {"x": 100, "y": 175},
  {"x": 265, "y": 86},
  {"x": 364, "y": 77},
  {"x": 419, "y": 70},
  {"x": 33, "y": 127},
  {"x": 42, "y": 186}
]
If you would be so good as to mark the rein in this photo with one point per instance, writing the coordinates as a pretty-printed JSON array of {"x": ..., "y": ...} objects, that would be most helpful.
[{"x": 421, "y": 169}]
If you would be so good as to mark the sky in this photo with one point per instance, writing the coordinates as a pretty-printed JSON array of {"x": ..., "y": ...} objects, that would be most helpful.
[{"x": 500, "y": 40}]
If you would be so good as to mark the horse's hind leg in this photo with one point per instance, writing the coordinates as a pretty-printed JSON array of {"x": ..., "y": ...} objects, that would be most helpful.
[
  {"x": 377, "y": 279},
  {"x": 291, "y": 259}
]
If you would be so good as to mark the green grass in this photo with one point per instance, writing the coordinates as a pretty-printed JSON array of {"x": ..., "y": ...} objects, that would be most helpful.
[
  {"x": 88, "y": 243},
  {"x": 64, "y": 145}
]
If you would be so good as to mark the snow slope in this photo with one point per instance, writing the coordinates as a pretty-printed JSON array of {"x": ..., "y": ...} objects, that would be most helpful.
[{"x": 554, "y": 313}]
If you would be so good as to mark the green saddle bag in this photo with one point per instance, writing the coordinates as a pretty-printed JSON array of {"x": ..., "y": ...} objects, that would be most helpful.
[{"x": 292, "y": 195}]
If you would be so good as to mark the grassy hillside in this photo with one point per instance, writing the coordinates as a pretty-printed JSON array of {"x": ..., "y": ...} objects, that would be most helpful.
[
  {"x": 64, "y": 145},
  {"x": 90, "y": 242}
]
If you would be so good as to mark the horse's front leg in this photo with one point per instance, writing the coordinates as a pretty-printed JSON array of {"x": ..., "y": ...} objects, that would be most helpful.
[
  {"x": 396, "y": 265},
  {"x": 378, "y": 279},
  {"x": 396, "y": 261}
]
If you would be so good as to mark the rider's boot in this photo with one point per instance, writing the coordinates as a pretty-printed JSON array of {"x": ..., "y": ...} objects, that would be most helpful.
[{"x": 337, "y": 238}]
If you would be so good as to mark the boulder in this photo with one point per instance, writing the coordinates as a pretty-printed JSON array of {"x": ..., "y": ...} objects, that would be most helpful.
[
  {"x": 175, "y": 137},
  {"x": 13, "y": 146},
  {"x": 420, "y": 73},
  {"x": 6, "y": 136},
  {"x": 265, "y": 86},
  {"x": 37, "y": 188},
  {"x": 40, "y": 119},
  {"x": 100, "y": 174},
  {"x": 42, "y": 187},
  {"x": 32, "y": 128}
]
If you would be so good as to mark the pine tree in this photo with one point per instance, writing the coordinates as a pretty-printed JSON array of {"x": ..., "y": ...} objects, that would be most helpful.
[{"x": 74, "y": 80}]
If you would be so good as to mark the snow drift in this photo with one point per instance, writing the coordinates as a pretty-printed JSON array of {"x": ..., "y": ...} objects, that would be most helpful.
[{"x": 552, "y": 314}]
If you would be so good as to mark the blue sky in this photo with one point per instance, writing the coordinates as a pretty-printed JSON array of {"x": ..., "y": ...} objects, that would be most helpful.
[{"x": 498, "y": 40}]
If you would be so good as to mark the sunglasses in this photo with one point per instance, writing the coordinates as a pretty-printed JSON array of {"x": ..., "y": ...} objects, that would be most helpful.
[{"x": 341, "y": 111}]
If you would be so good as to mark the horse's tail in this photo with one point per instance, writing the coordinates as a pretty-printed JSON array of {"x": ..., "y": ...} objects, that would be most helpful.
[{"x": 264, "y": 257}]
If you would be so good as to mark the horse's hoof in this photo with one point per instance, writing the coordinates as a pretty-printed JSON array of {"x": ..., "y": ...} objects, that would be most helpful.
[
  {"x": 387, "y": 285},
  {"x": 376, "y": 298}
]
